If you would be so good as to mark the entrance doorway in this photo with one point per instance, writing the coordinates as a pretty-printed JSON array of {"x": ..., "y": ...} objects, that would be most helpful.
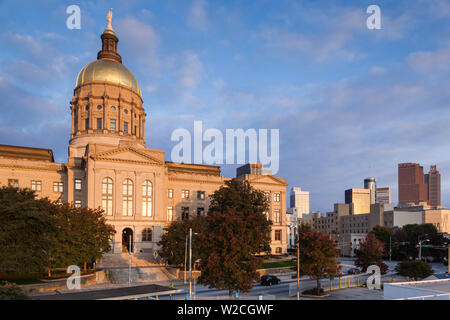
[{"x": 127, "y": 240}]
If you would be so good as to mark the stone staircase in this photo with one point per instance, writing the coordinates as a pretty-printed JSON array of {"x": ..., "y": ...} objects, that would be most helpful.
[{"x": 143, "y": 268}]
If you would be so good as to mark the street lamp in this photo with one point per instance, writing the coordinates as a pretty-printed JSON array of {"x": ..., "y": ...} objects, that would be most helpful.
[
  {"x": 420, "y": 245},
  {"x": 190, "y": 262},
  {"x": 298, "y": 261}
]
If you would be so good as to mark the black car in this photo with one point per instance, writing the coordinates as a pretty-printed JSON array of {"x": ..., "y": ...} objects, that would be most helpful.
[
  {"x": 269, "y": 280},
  {"x": 353, "y": 271}
]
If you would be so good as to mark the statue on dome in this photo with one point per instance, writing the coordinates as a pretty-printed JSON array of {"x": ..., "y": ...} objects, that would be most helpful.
[{"x": 109, "y": 19}]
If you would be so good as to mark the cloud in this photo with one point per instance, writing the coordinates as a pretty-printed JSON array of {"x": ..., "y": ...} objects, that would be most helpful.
[
  {"x": 192, "y": 71},
  {"x": 138, "y": 43},
  {"x": 198, "y": 16},
  {"x": 431, "y": 62}
]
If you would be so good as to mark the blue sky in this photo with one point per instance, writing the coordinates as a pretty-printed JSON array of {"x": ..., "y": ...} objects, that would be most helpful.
[{"x": 349, "y": 102}]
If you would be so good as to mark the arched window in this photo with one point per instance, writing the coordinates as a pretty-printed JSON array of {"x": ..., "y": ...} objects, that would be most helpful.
[
  {"x": 127, "y": 198},
  {"x": 147, "y": 199},
  {"x": 147, "y": 234},
  {"x": 107, "y": 196}
]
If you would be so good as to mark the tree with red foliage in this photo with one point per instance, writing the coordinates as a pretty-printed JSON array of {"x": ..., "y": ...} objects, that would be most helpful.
[
  {"x": 237, "y": 230},
  {"x": 318, "y": 255},
  {"x": 370, "y": 252}
]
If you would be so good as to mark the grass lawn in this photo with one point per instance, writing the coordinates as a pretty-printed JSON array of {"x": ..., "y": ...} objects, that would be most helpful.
[{"x": 278, "y": 264}]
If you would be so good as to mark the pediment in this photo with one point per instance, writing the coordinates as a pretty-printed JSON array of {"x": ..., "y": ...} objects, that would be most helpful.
[
  {"x": 128, "y": 155},
  {"x": 267, "y": 179}
]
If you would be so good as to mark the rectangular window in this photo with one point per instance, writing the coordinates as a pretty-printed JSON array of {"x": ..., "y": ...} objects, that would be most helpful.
[
  {"x": 278, "y": 235},
  {"x": 36, "y": 185},
  {"x": 113, "y": 125},
  {"x": 58, "y": 186},
  {"x": 77, "y": 203},
  {"x": 170, "y": 193},
  {"x": 13, "y": 183},
  {"x": 201, "y": 195},
  {"x": 125, "y": 127},
  {"x": 184, "y": 194},
  {"x": 276, "y": 216},
  {"x": 170, "y": 214},
  {"x": 200, "y": 211},
  {"x": 276, "y": 197},
  {"x": 267, "y": 195},
  {"x": 86, "y": 124},
  {"x": 184, "y": 213},
  {"x": 99, "y": 123},
  {"x": 78, "y": 184}
]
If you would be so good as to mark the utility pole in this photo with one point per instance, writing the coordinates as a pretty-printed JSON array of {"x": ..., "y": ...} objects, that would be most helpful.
[
  {"x": 129, "y": 262},
  {"x": 390, "y": 248},
  {"x": 190, "y": 263},
  {"x": 185, "y": 259},
  {"x": 420, "y": 250},
  {"x": 298, "y": 262},
  {"x": 448, "y": 259}
]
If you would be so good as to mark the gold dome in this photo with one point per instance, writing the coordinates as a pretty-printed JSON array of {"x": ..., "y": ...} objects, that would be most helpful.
[{"x": 108, "y": 71}]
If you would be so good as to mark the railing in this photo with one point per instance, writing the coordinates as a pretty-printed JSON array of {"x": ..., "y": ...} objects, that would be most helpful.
[
  {"x": 335, "y": 284},
  {"x": 446, "y": 296}
]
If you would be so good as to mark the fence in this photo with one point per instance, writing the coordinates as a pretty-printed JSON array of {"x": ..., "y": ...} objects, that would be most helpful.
[{"x": 333, "y": 284}]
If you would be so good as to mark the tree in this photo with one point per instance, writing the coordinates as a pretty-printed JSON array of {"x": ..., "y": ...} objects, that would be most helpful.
[
  {"x": 27, "y": 231},
  {"x": 318, "y": 255},
  {"x": 83, "y": 235},
  {"x": 173, "y": 241},
  {"x": 370, "y": 252},
  {"x": 237, "y": 230},
  {"x": 38, "y": 234},
  {"x": 415, "y": 269},
  {"x": 386, "y": 236}
]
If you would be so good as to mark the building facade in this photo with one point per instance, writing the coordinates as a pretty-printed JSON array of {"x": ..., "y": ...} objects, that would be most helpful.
[
  {"x": 383, "y": 195},
  {"x": 433, "y": 181},
  {"x": 411, "y": 184},
  {"x": 371, "y": 184},
  {"x": 110, "y": 167},
  {"x": 360, "y": 198}
]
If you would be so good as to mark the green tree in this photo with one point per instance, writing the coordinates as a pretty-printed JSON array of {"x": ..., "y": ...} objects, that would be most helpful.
[
  {"x": 38, "y": 234},
  {"x": 387, "y": 237},
  {"x": 415, "y": 269},
  {"x": 83, "y": 235},
  {"x": 370, "y": 252},
  {"x": 318, "y": 255},
  {"x": 237, "y": 230},
  {"x": 173, "y": 241},
  {"x": 27, "y": 231}
]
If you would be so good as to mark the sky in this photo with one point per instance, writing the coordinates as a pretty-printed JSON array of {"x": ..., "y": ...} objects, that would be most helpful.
[{"x": 349, "y": 102}]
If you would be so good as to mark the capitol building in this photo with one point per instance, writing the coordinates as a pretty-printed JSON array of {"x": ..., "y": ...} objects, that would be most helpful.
[{"x": 110, "y": 167}]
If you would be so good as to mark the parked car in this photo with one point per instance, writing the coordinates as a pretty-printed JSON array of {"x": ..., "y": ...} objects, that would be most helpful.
[
  {"x": 269, "y": 280},
  {"x": 353, "y": 271}
]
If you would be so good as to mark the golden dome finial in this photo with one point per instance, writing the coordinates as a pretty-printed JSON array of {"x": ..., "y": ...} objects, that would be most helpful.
[{"x": 109, "y": 19}]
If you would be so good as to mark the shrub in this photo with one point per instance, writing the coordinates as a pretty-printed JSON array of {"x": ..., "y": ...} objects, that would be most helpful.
[
  {"x": 415, "y": 269},
  {"x": 10, "y": 291}
]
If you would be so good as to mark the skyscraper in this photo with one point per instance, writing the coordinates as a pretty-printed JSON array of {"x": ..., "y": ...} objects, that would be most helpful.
[
  {"x": 360, "y": 199},
  {"x": 300, "y": 200},
  {"x": 383, "y": 195},
  {"x": 411, "y": 184},
  {"x": 371, "y": 184},
  {"x": 433, "y": 181}
]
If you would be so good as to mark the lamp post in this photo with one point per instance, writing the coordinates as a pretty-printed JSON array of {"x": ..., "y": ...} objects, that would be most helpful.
[
  {"x": 420, "y": 245},
  {"x": 185, "y": 258},
  {"x": 298, "y": 261},
  {"x": 190, "y": 263},
  {"x": 390, "y": 248}
]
